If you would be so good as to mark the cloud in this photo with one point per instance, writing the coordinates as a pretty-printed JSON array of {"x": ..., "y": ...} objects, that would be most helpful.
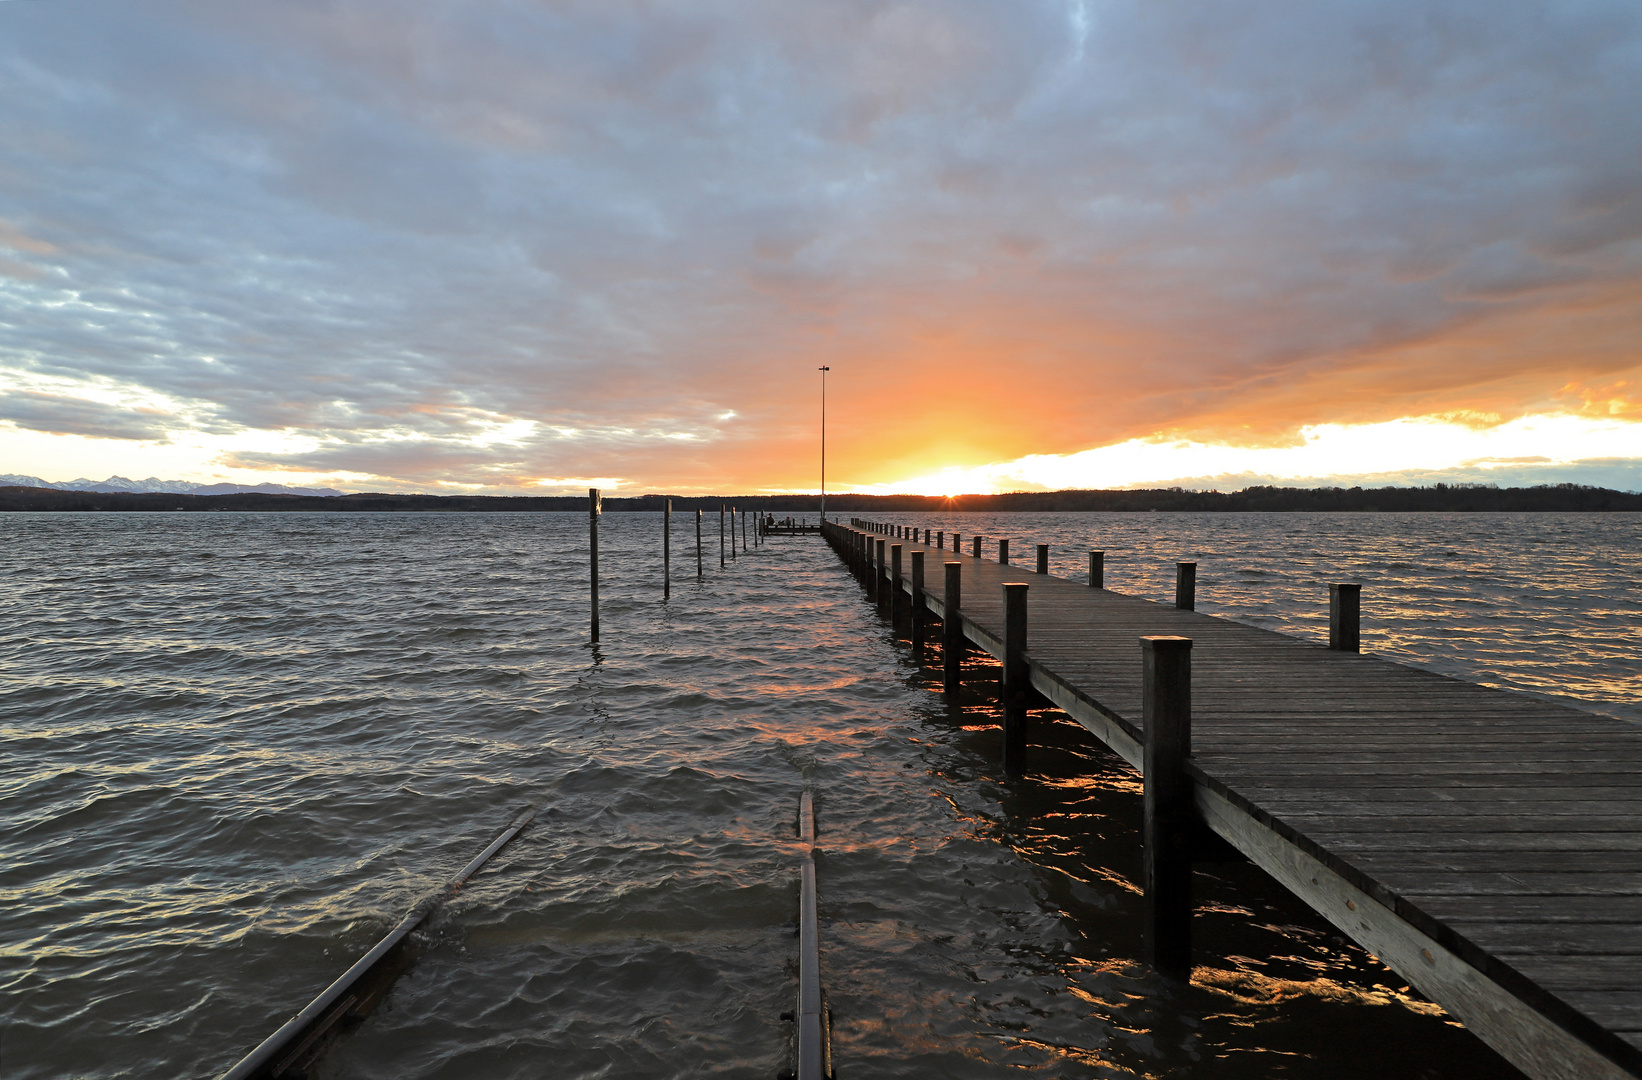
[
  {"x": 390, "y": 228},
  {"x": 59, "y": 415}
]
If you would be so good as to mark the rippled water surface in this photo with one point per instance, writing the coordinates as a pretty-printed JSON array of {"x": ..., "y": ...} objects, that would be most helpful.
[{"x": 238, "y": 747}]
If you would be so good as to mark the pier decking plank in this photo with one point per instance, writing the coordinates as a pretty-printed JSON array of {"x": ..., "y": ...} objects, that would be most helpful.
[{"x": 1484, "y": 844}]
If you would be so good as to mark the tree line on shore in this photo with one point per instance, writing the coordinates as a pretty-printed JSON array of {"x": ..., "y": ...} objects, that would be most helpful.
[{"x": 1438, "y": 497}]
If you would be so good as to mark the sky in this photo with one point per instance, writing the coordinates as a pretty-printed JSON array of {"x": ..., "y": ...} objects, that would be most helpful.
[{"x": 519, "y": 245}]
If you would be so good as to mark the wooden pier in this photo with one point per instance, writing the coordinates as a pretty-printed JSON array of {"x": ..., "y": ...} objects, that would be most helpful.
[{"x": 1487, "y": 846}]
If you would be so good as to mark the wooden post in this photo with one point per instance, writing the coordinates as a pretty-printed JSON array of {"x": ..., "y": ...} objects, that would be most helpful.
[
  {"x": 1043, "y": 558},
  {"x": 881, "y": 589},
  {"x": 700, "y": 572},
  {"x": 940, "y": 539},
  {"x": 1345, "y": 617},
  {"x": 732, "y": 532},
  {"x": 595, "y": 506},
  {"x": 667, "y": 549},
  {"x": 1170, "y": 813},
  {"x": 1097, "y": 569},
  {"x": 897, "y": 599},
  {"x": 1003, "y": 552},
  {"x": 1185, "y": 586},
  {"x": 721, "y": 555},
  {"x": 1014, "y": 683},
  {"x": 918, "y": 605},
  {"x": 975, "y": 546},
  {"x": 952, "y": 631},
  {"x": 957, "y": 545}
]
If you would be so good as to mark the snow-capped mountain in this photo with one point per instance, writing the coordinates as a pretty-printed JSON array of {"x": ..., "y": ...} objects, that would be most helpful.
[{"x": 155, "y": 484}]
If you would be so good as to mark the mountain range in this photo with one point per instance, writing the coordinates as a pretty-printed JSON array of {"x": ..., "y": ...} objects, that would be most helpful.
[{"x": 116, "y": 484}]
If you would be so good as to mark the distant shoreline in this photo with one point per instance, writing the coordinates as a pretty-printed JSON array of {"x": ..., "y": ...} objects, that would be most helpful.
[{"x": 1446, "y": 498}]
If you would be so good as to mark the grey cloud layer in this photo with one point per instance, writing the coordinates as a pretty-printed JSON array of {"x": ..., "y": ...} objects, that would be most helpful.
[
  {"x": 60, "y": 414},
  {"x": 364, "y": 218}
]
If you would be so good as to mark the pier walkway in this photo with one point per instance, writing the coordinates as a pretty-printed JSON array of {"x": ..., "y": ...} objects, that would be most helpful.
[{"x": 1485, "y": 845}]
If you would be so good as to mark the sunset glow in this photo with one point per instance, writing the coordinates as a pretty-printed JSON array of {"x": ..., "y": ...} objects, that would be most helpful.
[
  {"x": 506, "y": 247},
  {"x": 1325, "y": 454}
]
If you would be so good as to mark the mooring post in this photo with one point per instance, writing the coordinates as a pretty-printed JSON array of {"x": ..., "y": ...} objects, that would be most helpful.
[
  {"x": 952, "y": 631},
  {"x": 1043, "y": 558},
  {"x": 879, "y": 569},
  {"x": 918, "y": 605},
  {"x": 1166, "y": 675},
  {"x": 667, "y": 549},
  {"x": 595, "y": 506},
  {"x": 1185, "y": 586},
  {"x": 700, "y": 569},
  {"x": 897, "y": 599},
  {"x": 869, "y": 573},
  {"x": 957, "y": 545},
  {"x": 975, "y": 546},
  {"x": 732, "y": 532},
  {"x": 1097, "y": 569},
  {"x": 1345, "y": 617},
  {"x": 1003, "y": 552},
  {"x": 812, "y": 1044},
  {"x": 1014, "y": 683},
  {"x": 721, "y": 555},
  {"x": 940, "y": 539}
]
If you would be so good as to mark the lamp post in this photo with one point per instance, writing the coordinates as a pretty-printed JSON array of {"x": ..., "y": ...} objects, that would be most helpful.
[{"x": 824, "y": 371}]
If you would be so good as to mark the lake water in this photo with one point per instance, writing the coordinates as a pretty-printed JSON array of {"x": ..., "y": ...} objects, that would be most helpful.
[{"x": 236, "y": 748}]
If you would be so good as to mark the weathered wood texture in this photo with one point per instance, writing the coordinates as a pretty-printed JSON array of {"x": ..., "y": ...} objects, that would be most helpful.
[
  {"x": 1486, "y": 845},
  {"x": 595, "y": 506}
]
